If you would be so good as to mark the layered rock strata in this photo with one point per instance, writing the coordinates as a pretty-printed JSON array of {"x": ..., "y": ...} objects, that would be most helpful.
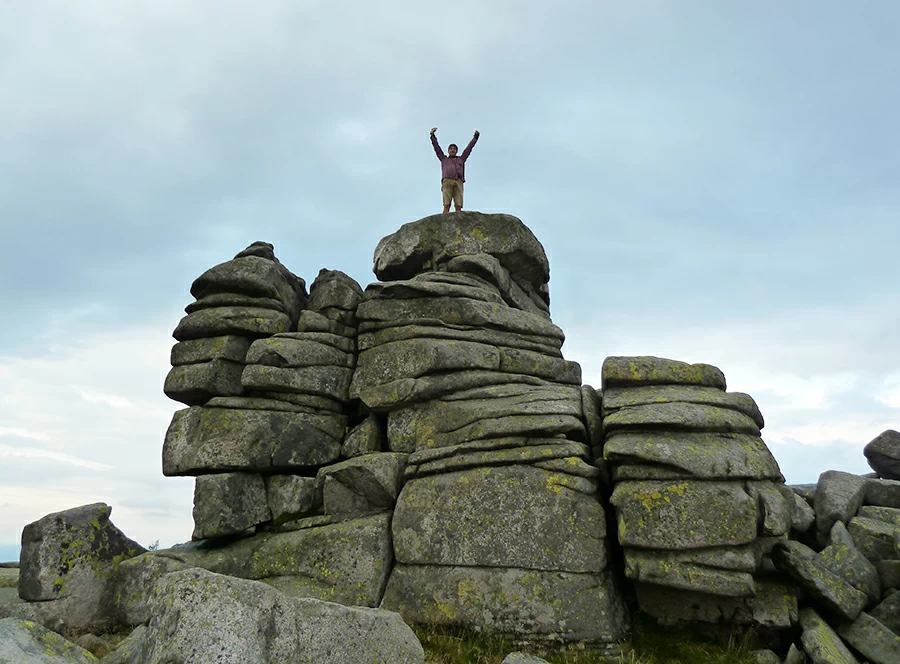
[
  {"x": 699, "y": 499},
  {"x": 499, "y": 524},
  {"x": 268, "y": 452}
]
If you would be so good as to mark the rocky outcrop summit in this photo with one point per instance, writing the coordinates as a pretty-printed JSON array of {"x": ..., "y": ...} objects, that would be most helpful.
[{"x": 421, "y": 452}]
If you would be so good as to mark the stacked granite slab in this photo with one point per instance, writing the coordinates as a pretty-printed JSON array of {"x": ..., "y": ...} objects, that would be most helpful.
[
  {"x": 699, "y": 500},
  {"x": 499, "y": 525},
  {"x": 247, "y": 298},
  {"x": 268, "y": 452}
]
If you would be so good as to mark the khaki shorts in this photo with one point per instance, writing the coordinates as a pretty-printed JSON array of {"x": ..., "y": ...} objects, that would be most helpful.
[{"x": 452, "y": 189}]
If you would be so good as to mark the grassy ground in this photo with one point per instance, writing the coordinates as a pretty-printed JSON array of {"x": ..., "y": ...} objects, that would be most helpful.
[
  {"x": 651, "y": 644},
  {"x": 9, "y": 577}
]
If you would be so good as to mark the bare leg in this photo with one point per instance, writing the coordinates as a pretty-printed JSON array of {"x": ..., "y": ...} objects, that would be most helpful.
[
  {"x": 446, "y": 209},
  {"x": 458, "y": 207}
]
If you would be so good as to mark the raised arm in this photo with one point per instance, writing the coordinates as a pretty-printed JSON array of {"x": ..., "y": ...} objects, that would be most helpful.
[
  {"x": 437, "y": 148},
  {"x": 468, "y": 150}
]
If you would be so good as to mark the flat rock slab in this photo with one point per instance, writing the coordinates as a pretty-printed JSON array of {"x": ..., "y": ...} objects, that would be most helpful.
[
  {"x": 346, "y": 562},
  {"x": 24, "y": 642},
  {"x": 874, "y": 538},
  {"x": 437, "y": 239},
  {"x": 615, "y": 398},
  {"x": 195, "y": 384},
  {"x": 379, "y": 337},
  {"x": 330, "y": 382},
  {"x": 408, "y": 391},
  {"x": 455, "y": 312},
  {"x": 674, "y": 573},
  {"x": 838, "y": 496},
  {"x": 831, "y": 591},
  {"x": 436, "y": 423},
  {"x": 217, "y": 440},
  {"x": 882, "y": 493},
  {"x": 887, "y": 514},
  {"x": 888, "y": 613},
  {"x": 229, "y": 503},
  {"x": 821, "y": 642},
  {"x": 637, "y": 371},
  {"x": 679, "y": 417},
  {"x": 232, "y": 348},
  {"x": 281, "y": 351},
  {"x": 877, "y": 643},
  {"x": 773, "y": 606},
  {"x": 684, "y": 515},
  {"x": 883, "y": 454},
  {"x": 522, "y": 602},
  {"x": 256, "y": 623},
  {"x": 565, "y": 457},
  {"x": 509, "y": 516},
  {"x": 701, "y": 455},
  {"x": 843, "y": 558},
  {"x": 252, "y": 322}
]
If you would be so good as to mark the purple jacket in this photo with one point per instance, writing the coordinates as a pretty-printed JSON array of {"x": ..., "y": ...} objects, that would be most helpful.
[{"x": 453, "y": 167}]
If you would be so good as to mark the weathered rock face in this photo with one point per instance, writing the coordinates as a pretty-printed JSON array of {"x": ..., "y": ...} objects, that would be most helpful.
[
  {"x": 256, "y": 624},
  {"x": 699, "y": 499},
  {"x": 883, "y": 454},
  {"x": 68, "y": 563},
  {"x": 500, "y": 501}
]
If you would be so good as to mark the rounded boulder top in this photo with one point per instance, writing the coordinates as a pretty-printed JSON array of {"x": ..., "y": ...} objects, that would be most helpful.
[{"x": 424, "y": 244}]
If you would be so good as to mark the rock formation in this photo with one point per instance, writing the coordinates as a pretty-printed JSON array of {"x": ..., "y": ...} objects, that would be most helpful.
[
  {"x": 499, "y": 524},
  {"x": 423, "y": 448},
  {"x": 699, "y": 499}
]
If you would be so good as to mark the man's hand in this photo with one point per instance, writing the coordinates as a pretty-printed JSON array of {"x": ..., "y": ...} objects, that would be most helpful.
[
  {"x": 433, "y": 129},
  {"x": 477, "y": 133}
]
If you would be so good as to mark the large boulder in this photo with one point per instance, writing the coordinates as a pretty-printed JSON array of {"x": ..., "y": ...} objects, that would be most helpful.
[
  {"x": 229, "y": 503},
  {"x": 256, "y": 624},
  {"x": 838, "y": 496},
  {"x": 25, "y": 642},
  {"x": 435, "y": 240},
  {"x": 68, "y": 561},
  {"x": 883, "y": 454},
  {"x": 219, "y": 440}
]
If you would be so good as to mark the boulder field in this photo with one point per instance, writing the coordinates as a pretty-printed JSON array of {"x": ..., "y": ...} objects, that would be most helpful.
[{"x": 420, "y": 452}]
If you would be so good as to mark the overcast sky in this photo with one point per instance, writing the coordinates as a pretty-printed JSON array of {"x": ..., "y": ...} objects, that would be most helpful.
[{"x": 713, "y": 182}]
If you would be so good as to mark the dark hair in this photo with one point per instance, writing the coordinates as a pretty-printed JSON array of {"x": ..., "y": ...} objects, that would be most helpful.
[{"x": 453, "y": 145}]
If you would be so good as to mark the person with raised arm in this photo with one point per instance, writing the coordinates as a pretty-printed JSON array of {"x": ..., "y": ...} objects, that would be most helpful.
[{"x": 453, "y": 170}]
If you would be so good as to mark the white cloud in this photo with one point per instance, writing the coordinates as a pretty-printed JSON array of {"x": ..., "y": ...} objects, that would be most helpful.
[
  {"x": 813, "y": 372},
  {"x": 97, "y": 408},
  {"x": 23, "y": 433},
  {"x": 889, "y": 391},
  {"x": 8, "y": 451}
]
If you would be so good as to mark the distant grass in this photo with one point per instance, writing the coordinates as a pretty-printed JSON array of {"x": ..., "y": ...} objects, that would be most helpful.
[
  {"x": 9, "y": 577},
  {"x": 651, "y": 644}
]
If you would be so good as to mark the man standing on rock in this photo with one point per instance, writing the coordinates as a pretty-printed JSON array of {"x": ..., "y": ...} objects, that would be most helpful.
[{"x": 453, "y": 170}]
